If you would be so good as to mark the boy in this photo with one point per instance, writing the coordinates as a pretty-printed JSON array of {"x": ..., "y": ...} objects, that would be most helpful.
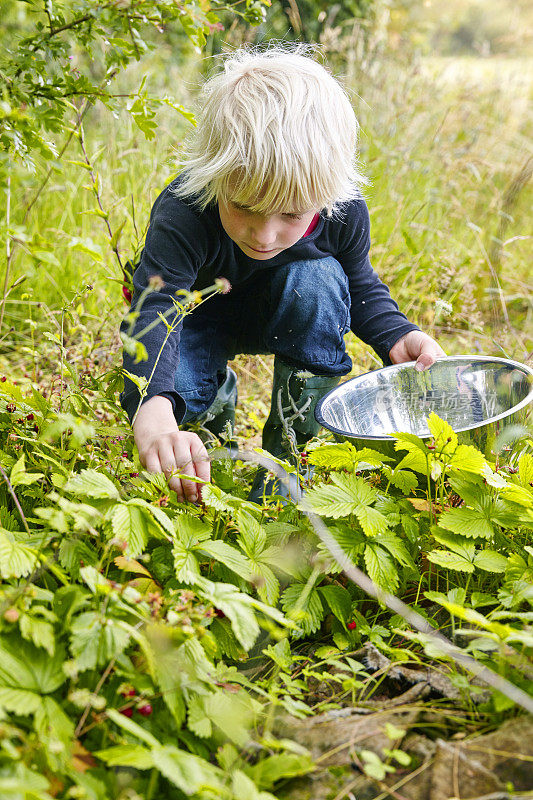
[{"x": 269, "y": 198}]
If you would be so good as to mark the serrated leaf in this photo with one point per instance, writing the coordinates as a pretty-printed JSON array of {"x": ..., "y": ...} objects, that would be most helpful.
[
  {"x": 278, "y": 766},
  {"x": 197, "y": 720},
  {"x": 304, "y": 606},
  {"x": 339, "y": 602},
  {"x": 38, "y": 631},
  {"x": 236, "y": 607},
  {"x": 402, "y": 479},
  {"x": 265, "y": 581},
  {"x": 131, "y": 727},
  {"x": 16, "y": 559},
  {"x": 126, "y": 755},
  {"x": 525, "y": 469},
  {"x": 443, "y": 434},
  {"x": 371, "y": 520},
  {"x": 19, "y": 476},
  {"x": 468, "y": 459},
  {"x": 96, "y": 640},
  {"x": 188, "y": 772},
  {"x": 380, "y": 566},
  {"x": 91, "y": 483},
  {"x": 490, "y": 561},
  {"x": 130, "y": 525},
  {"x": 27, "y": 667},
  {"x": 344, "y": 456},
  {"x": 450, "y": 560},
  {"x": 227, "y": 555},
  {"x": 466, "y": 522}
]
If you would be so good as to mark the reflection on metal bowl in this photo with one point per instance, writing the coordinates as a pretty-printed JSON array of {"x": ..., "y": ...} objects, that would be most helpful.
[{"x": 479, "y": 396}]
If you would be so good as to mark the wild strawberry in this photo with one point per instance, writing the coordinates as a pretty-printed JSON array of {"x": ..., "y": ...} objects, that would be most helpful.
[
  {"x": 127, "y": 712},
  {"x": 352, "y": 625},
  {"x": 3, "y": 379},
  {"x": 129, "y": 693},
  {"x": 219, "y": 613},
  {"x": 11, "y": 614},
  {"x": 145, "y": 710},
  {"x": 30, "y": 417},
  {"x": 11, "y": 408}
]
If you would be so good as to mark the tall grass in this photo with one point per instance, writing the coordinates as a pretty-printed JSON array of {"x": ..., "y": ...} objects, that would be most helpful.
[{"x": 443, "y": 141}]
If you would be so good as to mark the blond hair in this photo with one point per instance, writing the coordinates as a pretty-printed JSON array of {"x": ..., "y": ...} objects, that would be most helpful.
[{"x": 275, "y": 132}]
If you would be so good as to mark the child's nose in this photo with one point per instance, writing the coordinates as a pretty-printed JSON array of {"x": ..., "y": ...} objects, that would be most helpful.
[{"x": 264, "y": 232}]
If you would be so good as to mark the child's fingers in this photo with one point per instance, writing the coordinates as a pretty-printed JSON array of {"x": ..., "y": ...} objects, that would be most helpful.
[
  {"x": 201, "y": 460},
  {"x": 184, "y": 465}
]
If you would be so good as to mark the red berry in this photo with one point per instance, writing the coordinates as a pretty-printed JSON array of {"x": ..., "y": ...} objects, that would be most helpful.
[
  {"x": 130, "y": 692},
  {"x": 3, "y": 379},
  {"x": 146, "y": 710},
  {"x": 127, "y": 712},
  {"x": 352, "y": 625},
  {"x": 219, "y": 613},
  {"x": 30, "y": 417},
  {"x": 11, "y": 407}
]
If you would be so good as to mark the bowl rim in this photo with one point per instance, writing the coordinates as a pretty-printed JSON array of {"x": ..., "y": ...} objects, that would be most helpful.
[{"x": 410, "y": 364}]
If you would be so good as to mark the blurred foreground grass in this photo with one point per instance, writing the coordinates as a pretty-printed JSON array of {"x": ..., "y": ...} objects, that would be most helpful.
[{"x": 444, "y": 142}]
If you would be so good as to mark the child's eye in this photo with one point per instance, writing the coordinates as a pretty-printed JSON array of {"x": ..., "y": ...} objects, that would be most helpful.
[{"x": 293, "y": 216}]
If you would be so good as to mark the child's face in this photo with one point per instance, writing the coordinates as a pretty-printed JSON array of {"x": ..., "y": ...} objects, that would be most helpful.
[{"x": 263, "y": 236}]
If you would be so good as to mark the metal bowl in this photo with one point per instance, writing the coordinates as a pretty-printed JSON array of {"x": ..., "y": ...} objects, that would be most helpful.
[{"x": 479, "y": 396}]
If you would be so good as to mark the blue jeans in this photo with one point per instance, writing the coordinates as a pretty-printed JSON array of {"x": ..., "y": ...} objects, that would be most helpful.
[{"x": 299, "y": 312}]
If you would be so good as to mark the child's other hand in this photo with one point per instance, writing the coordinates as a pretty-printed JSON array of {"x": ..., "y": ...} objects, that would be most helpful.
[
  {"x": 164, "y": 448},
  {"x": 416, "y": 346}
]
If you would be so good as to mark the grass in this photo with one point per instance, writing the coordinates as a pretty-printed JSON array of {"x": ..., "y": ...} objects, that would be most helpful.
[{"x": 444, "y": 144}]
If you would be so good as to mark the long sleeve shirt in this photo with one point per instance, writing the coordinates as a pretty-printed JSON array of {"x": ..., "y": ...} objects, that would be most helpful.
[{"x": 186, "y": 249}]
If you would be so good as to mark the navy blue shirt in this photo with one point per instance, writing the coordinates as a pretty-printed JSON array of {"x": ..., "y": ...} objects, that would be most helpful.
[{"x": 187, "y": 249}]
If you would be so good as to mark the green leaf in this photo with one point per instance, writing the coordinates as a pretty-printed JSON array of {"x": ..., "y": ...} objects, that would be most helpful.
[
  {"x": 265, "y": 581},
  {"x": 490, "y": 561},
  {"x": 233, "y": 714},
  {"x": 467, "y": 522},
  {"x": 197, "y": 720},
  {"x": 443, "y": 434},
  {"x": 339, "y": 601},
  {"x": 252, "y": 535},
  {"x": 525, "y": 470},
  {"x": 349, "y": 494},
  {"x": 279, "y": 766},
  {"x": 236, "y": 607},
  {"x": 91, "y": 483},
  {"x": 304, "y": 607},
  {"x": 371, "y": 520},
  {"x": 402, "y": 479},
  {"x": 16, "y": 559},
  {"x": 468, "y": 459},
  {"x": 227, "y": 555},
  {"x": 189, "y": 773},
  {"x": 396, "y": 548},
  {"x": 95, "y": 640},
  {"x": 23, "y": 666},
  {"x": 450, "y": 560},
  {"x": 126, "y": 755},
  {"x": 131, "y": 727},
  {"x": 344, "y": 456},
  {"x": 38, "y": 631},
  {"x": 19, "y": 476},
  {"x": 380, "y": 566},
  {"x": 129, "y": 525}
]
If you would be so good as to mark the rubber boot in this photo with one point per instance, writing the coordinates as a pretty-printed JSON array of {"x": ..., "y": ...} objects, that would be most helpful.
[
  {"x": 290, "y": 424},
  {"x": 219, "y": 419}
]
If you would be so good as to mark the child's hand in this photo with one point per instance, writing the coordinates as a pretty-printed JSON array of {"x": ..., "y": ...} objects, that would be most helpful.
[
  {"x": 164, "y": 448},
  {"x": 416, "y": 346}
]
